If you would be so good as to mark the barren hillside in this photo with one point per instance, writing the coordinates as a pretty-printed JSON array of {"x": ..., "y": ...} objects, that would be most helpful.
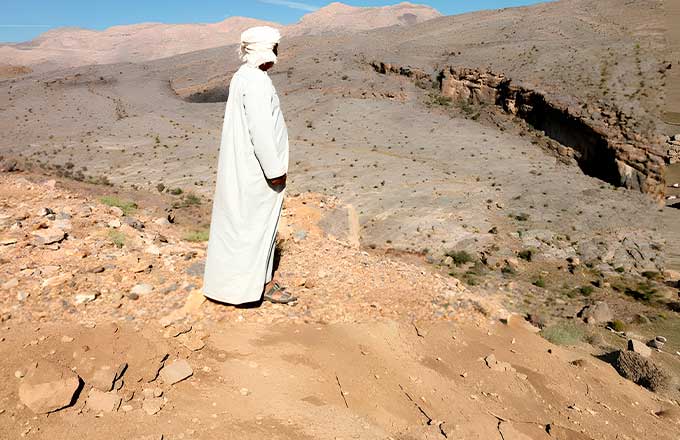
[
  {"x": 511, "y": 160},
  {"x": 106, "y": 334},
  {"x": 68, "y": 47}
]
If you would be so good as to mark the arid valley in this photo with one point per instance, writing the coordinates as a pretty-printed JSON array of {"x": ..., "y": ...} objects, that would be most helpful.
[{"x": 482, "y": 226}]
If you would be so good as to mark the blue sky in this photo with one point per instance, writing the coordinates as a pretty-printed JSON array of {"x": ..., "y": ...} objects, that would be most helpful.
[{"x": 22, "y": 20}]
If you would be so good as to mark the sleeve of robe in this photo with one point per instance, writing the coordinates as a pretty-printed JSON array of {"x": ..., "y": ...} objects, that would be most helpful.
[{"x": 257, "y": 101}]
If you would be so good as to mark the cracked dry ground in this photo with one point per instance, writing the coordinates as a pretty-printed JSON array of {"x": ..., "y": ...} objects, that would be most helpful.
[{"x": 376, "y": 348}]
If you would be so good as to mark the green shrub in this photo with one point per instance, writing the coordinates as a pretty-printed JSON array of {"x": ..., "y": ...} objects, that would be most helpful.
[
  {"x": 643, "y": 292},
  {"x": 566, "y": 333},
  {"x": 176, "y": 191},
  {"x": 192, "y": 199},
  {"x": 460, "y": 257},
  {"x": 586, "y": 290},
  {"x": 117, "y": 238},
  {"x": 652, "y": 275},
  {"x": 465, "y": 107},
  {"x": 526, "y": 254},
  {"x": 539, "y": 282},
  {"x": 470, "y": 280},
  {"x": 99, "y": 180},
  {"x": 437, "y": 99},
  {"x": 508, "y": 270},
  {"x": 197, "y": 236},
  {"x": 618, "y": 325},
  {"x": 521, "y": 217},
  {"x": 126, "y": 205}
]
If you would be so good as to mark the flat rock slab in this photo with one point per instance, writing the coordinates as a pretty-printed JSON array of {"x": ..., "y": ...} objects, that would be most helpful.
[
  {"x": 176, "y": 371},
  {"x": 142, "y": 289},
  {"x": 48, "y": 236},
  {"x": 100, "y": 401},
  {"x": 105, "y": 376},
  {"x": 153, "y": 405},
  {"x": 639, "y": 347},
  {"x": 48, "y": 387}
]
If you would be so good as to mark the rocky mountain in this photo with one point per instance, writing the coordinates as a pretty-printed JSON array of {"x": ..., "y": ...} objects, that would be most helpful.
[
  {"x": 69, "y": 47},
  {"x": 77, "y": 46},
  {"x": 339, "y": 17}
]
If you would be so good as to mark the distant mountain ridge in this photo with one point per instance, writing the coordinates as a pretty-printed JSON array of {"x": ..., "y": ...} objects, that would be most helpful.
[{"x": 69, "y": 46}]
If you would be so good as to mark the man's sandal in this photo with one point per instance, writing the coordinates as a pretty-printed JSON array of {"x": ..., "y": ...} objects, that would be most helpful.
[{"x": 278, "y": 295}]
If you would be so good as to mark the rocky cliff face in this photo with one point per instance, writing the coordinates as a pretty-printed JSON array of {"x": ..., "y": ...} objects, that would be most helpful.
[{"x": 603, "y": 140}]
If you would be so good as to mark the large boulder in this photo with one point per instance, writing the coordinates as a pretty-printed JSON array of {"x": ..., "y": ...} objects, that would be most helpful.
[
  {"x": 597, "y": 313},
  {"x": 48, "y": 387},
  {"x": 643, "y": 372},
  {"x": 639, "y": 347}
]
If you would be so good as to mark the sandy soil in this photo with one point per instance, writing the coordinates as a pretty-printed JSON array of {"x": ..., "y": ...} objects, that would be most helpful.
[{"x": 375, "y": 347}]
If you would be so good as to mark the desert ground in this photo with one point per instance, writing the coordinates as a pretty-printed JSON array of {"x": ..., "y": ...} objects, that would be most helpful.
[{"x": 425, "y": 230}]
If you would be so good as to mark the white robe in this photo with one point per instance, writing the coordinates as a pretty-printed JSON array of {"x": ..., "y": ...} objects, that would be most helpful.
[{"x": 246, "y": 209}]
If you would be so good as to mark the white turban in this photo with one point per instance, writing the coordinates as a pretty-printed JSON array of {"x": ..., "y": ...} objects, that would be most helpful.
[{"x": 257, "y": 44}]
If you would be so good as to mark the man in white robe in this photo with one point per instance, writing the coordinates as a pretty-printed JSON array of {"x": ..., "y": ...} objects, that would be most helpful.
[{"x": 251, "y": 177}]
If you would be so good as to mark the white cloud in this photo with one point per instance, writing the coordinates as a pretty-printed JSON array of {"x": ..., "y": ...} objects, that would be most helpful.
[{"x": 292, "y": 5}]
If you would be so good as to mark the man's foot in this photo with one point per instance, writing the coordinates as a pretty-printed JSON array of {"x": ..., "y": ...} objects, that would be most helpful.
[{"x": 278, "y": 295}]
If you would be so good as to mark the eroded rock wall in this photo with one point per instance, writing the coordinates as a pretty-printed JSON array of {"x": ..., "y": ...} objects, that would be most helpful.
[
  {"x": 602, "y": 140},
  {"x": 673, "y": 146}
]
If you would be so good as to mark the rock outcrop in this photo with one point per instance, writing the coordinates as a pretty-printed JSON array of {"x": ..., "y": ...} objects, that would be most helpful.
[
  {"x": 640, "y": 370},
  {"x": 603, "y": 140},
  {"x": 673, "y": 149},
  {"x": 48, "y": 387}
]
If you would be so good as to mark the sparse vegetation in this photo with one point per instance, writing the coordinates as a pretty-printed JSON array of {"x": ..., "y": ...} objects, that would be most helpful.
[
  {"x": 465, "y": 107},
  {"x": 586, "y": 290},
  {"x": 566, "y": 333},
  {"x": 539, "y": 282},
  {"x": 435, "y": 99},
  {"x": 460, "y": 257},
  {"x": 187, "y": 200},
  {"x": 198, "y": 236},
  {"x": 526, "y": 254},
  {"x": 652, "y": 275},
  {"x": 642, "y": 292},
  {"x": 99, "y": 180},
  {"x": 192, "y": 199},
  {"x": 425, "y": 84},
  {"x": 521, "y": 217},
  {"x": 618, "y": 325},
  {"x": 126, "y": 205},
  {"x": 508, "y": 270},
  {"x": 117, "y": 238}
]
